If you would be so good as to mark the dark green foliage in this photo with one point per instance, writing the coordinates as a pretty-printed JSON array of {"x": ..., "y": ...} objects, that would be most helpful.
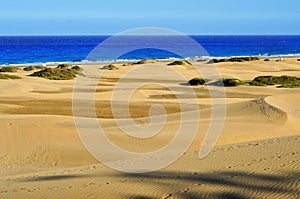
[
  {"x": 40, "y": 67},
  {"x": 229, "y": 82},
  {"x": 29, "y": 68},
  {"x": 6, "y": 76},
  {"x": 234, "y": 59},
  {"x": 267, "y": 60},
  {"x": 110, "y": 67},
  {"x": 275, "y": 80},
  {"x": 56, "y": 74},
  {"x": 289, "y": 86},
  {"x": 145, "y": 61},
  {"x": 197, "y": 81},
  {"x": 180, "y": 62},
  {"x": 216, "y": 61},
  {"x": 9, "y": 69},
  {"x": 63, "y": 66},
  {"x": 77, "y": 68},
  {"x": 255, "y": 83}
]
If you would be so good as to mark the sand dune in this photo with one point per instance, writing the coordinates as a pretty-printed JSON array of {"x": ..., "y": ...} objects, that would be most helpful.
[{"x": 257, "y": 155}]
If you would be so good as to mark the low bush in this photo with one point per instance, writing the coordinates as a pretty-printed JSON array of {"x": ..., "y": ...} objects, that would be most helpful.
[
  {"x": 56, "y": 74},
  {"x": 180, "y": 62},
  {"x": 145, "y": 61},
  {"x": 267, "y": 60},
  {"x": 77, "y": 68},
  {"x": 40, "y": 67},
  {"x": 197, "y": 81},
  {"x": 234, "y": 59},
  {"x": 289, "y": 86},
  {"x": 255, "y": 83},
  {"x": 6, "y": 76},
  {"x": 29, "y": 68},
  {"x": 275, "y": 80},
  {"x": 230, "y": 82},
  {"x": 63, "y": 66},
  {"x": 110, "y": 67},
  {"x": 9, "y": 69}
]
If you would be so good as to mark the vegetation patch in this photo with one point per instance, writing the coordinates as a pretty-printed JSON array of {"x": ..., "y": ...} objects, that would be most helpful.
[
  {"x": 255, "y": 83},
  {"x": 234, "y": 59},
  {"x": 77, "y": 68},
  {"x": 63, "y": 66},
  {"x": 289, "y": 86},
  {"x": 180, "y": 62},
  {"x": 197, "y": 81},
  {"x": 9, "y": 69},
  {"x": 145, "y": 61},
  {"x": 267, "y": 60},
  {"x": 6, "y": 76},
  {"x": 110, "y": 67},
  {"x": 275, "y": 80},
  {"x": 40, "y": 67},
  {"x": 56, "y": 74},
  {"x": 282, "y": 81},
  {"x": 230, "y": 82},
  {"x": 29, "y": 68}
]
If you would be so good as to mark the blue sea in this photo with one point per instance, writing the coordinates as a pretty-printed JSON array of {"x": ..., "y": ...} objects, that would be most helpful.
[{"x": 36, "y": 50}]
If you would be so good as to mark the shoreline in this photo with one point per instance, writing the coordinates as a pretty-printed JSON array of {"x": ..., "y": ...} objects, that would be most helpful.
[{"x": 126, "y": 61}]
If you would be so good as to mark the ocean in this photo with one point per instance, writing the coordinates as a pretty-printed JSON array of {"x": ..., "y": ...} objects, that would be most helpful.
[{"x": 37, "y": 50}]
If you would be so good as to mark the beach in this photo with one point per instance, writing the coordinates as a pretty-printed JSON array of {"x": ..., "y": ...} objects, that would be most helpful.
[{"x": 256, "y": 156}]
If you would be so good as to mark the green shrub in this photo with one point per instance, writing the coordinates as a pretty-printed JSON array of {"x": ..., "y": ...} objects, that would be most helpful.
[
  {"x": 298, "y": 59},
  {"x": 145, "y": 61},
  {"x": 230, "y": 82},
  {"x": 274, "y": 80},
  {"x": 216, "y": 61},
  {"x": 63, "y": 66},
  {"x": 289, "y": 86},
  {"x": 197, "y": 81},
  {"x": 40, "y": 67},
  {"x": 77, "y": 68},
  {"x": 29, "y": 68},
  {"x": 9, "y": 69},
  {"x": 110, "y": 67},
  {"x": 234, "y": 59},
  {"x": 6, "y": 76},
  {"x": 56, "y": 74},
  {"x": 267, "y": 60},
  {"x": 180, "y": 62},
  {"x": 255, "y": 83}
]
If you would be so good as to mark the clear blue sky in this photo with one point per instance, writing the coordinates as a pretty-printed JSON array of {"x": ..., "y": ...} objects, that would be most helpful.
[{"x": 98, "y": 17}]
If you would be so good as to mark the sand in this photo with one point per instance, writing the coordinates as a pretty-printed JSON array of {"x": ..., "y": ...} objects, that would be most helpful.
[{"x": 257, "y": 155}]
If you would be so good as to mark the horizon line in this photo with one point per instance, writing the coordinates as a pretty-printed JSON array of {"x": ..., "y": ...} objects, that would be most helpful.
[{"x": 16, "y": 35}]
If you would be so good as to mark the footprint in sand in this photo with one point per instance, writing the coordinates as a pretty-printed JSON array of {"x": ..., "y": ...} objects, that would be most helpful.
[
  {"x": 90, "y": 184},
  {"x": 185, "y": 190},
  {"x": 167, "y": 196},
  {"x": 55, "y": 187}
]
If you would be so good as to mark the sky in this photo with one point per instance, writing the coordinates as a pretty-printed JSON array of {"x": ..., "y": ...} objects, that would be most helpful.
[{"x": 197, "y": 17}]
